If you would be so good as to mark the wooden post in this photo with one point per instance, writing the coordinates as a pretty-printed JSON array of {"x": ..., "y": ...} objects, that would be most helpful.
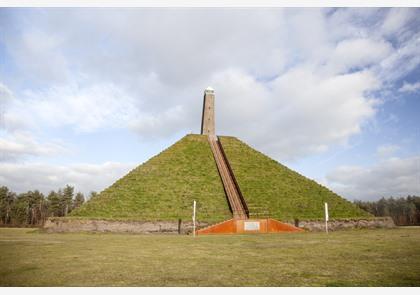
[
  {"x": 326, "y": 218},
  {"x": 193, "y": 217}
]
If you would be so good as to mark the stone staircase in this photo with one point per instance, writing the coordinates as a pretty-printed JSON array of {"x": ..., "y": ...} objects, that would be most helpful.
[{"x": 236, "y": 201}]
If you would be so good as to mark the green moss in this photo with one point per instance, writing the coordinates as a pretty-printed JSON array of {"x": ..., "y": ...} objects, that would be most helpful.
[
  {"x": 272, "y": 189},
  {"x": 164, "y": 188}
]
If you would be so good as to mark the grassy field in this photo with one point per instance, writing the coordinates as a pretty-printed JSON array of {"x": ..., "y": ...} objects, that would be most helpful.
[
  {"x": 285, "y": 194},
  {"x": 347, "y": 258}
]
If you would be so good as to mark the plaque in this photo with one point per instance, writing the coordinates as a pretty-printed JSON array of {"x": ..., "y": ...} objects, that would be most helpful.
[{"x": 252, "y": 225}]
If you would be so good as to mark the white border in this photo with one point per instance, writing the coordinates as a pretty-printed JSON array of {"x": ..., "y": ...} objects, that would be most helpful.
[{"x": 209, "y": 3}]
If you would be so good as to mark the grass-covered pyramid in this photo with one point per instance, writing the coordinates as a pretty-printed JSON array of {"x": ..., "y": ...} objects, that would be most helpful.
[
  {"x": 273, "y": 189},
  {"x": 164, "y": 188}
]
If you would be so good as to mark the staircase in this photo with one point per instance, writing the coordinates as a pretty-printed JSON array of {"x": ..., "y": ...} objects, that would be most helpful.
[{"x": 236, "y": 201}]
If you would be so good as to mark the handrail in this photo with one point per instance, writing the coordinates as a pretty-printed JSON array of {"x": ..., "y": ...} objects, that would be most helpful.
[{"x": 235, "y": 199}]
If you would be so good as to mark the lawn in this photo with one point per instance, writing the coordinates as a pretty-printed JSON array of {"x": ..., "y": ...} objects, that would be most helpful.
[{"x": 382, "y": 257}]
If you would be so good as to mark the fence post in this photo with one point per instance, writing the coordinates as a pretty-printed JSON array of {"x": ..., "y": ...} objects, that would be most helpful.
[
  {"x": 326, "y": 218},
  {"x": 193, "y": 217}
]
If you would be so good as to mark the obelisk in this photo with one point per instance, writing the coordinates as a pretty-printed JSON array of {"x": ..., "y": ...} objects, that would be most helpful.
[{"x": 207, "y": 121}]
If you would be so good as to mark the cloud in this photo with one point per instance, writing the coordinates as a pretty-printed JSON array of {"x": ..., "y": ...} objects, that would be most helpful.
[
  {"x": 5, "y": 94},
  {"x": 387, "y": 150},
  {"x": 291, "y": 82},
  {"x": 397, "y": 177},
  {"x": 402, "y": 60},
  {"x": 359, "y": 53},
  {"x": 86, "y": 108},
  {"x": 39, "y": 54},
  {"x": 410, "y": 87},
  {"x": 45, "y": 177},
  {"x": 148, "y": 124},
  {"x": 397, "y": 19},
  {"x": 22, "y": 144},
  {"x": 293, "y": 115},
  {"x": 17, "y": 141}
]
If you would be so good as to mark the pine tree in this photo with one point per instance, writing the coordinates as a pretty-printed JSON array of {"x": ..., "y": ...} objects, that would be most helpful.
[
  {"x": 78, "y": 200},
  {"x": 35, "y": 201},
  {"x": 67, "y": 199},
  {"x": 7, "y": 199},
  {"x": 54, "y": 204},
  {"x": 20, "y": 211}
]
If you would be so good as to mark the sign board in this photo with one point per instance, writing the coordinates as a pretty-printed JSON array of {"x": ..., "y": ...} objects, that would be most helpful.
[{"x": 252, "y": 225}]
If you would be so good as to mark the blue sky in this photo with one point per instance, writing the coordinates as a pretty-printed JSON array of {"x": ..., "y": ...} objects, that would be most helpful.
[{"x": 88, "y": 94}]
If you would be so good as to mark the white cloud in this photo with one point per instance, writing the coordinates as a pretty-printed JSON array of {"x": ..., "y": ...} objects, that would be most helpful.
[
  {"x": 387, "y": 150},
  {"x": 8, "y": 121},
  {"x": 397, "y": 19},
  {"x": 291, "y": 82},
  {"x": 5, "y": 94},
  {"x": 21, "y": 144},
  {"x": 45, "y": 177},
  {"x": 85, "y": 108},
  {"x": 16, "y": 139},
  {"x": 160, "y": 124},
  {"x": 40, "y": 54},
  {"x": 127, "y": 78},
  {"x": 359, "y": 53},
  {"x": 299, "y": 113},
  {"x": 402, "y": 60},
  {"x": 397, "y": 177},
  {"x": 410, "y": 87}
]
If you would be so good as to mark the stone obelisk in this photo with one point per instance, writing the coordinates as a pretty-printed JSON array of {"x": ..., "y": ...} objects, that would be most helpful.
[{"x": 207, "y": 121}]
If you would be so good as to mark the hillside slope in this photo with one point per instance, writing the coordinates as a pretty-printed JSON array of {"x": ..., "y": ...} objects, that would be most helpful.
[
  {"x": 164, "y": 187},
  {"x": 272, "y": 189}
]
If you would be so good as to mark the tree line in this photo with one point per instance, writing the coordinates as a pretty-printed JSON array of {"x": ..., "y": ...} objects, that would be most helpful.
[
  {"x": 404, "y": 211},
  {"x": 33, "y": 208}
]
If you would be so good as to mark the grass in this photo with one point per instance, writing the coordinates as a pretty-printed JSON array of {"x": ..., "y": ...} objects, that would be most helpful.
[
  {"x": 164, "y": 188},
  {"x": 347, "y": 258},
  {"x": 282, "y": 193}
]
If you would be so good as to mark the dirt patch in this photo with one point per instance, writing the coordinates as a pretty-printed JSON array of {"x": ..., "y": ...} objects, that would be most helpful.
[
  {"x": 333, "y": 225},
  {"x": 81, "y": 225}
]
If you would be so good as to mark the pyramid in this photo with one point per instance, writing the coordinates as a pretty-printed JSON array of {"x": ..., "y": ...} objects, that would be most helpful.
[
  {"x": 164, "y": 187},
  {"x": 230, "y": 181}
]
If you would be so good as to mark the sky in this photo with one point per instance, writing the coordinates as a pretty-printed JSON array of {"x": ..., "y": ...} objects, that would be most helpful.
[{"x": 87, "y": 94}]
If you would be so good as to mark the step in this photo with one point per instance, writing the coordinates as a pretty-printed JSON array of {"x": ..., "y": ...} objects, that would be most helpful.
[{"x": 235, "y": 199}]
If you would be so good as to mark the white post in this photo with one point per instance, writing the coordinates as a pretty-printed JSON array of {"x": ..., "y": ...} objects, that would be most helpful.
[
  {"x": 193, "y": 217},
  {"x": 326, "y": 218}
]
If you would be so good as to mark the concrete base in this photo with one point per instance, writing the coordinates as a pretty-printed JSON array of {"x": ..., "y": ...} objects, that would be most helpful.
[{"x": 252, "y": 226}]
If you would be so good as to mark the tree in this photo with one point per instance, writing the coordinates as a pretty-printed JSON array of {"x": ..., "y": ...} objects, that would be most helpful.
[
  {"x": 404, "y": 211},
  {"x": 35, "y": 202},
  {"x": 78, "y": 200},
  {"x": 20, "y": 210},
  {"x": 92, "y": 195},
  {"x": 7, "y": 199},
  {"x": 67, "y": 199},
  {"x": 54, "y": 204}
]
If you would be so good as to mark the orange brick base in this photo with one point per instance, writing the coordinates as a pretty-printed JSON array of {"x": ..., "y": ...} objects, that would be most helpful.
[{"x": 241, "y": 226}]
